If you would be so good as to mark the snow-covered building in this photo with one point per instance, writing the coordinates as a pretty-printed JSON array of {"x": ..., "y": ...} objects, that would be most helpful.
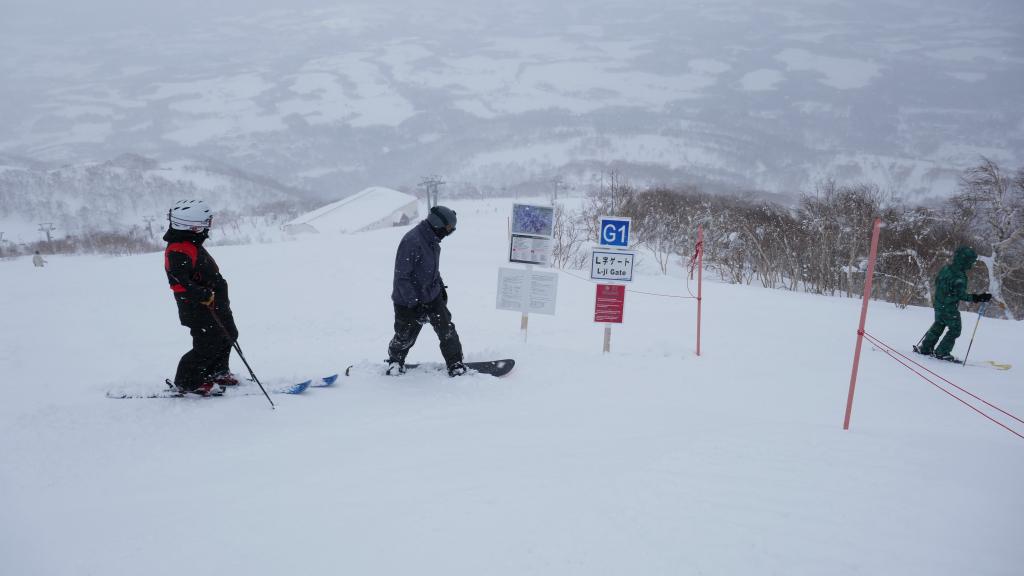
[{"x": 375, "y": 207}]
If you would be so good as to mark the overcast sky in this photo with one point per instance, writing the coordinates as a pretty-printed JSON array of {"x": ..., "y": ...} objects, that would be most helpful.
[{"x": 75, "y": 17}]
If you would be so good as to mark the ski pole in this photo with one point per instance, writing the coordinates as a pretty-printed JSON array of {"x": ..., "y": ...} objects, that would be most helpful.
[
  {"x": 234, "y": 342},
  {"x": 981, "y": 312}
]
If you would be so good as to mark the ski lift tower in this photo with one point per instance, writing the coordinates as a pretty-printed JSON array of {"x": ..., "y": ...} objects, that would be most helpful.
[
  {"x": 48, "y": 228},
  {"x": 432, "y": 185},
  {"x": 149, "y": 224},
  {"x": 558, "y": 184}
]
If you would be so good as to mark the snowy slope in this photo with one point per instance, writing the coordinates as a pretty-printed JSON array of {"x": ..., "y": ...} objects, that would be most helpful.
[
  {"x": 647, "y": 460},
  {"x": 366, "y": 208}
]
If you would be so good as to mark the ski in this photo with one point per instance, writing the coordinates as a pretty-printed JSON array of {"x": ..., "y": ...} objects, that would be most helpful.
[
  {"x": 161, "y": 394},
  {"x": 990, "y": 363},
  {"x": 325, "y": 382},
  {"x": 297, "y": 388},
  {"x": 244, "y": 390},
  {"x": 930, "y": 358}
]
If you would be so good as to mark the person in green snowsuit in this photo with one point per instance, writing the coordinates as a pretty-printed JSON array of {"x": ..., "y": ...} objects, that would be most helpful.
[{"x": 950, "y": 289}]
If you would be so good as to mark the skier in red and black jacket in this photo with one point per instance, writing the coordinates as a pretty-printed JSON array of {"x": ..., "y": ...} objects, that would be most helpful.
[{"x": 202, "y": 297}]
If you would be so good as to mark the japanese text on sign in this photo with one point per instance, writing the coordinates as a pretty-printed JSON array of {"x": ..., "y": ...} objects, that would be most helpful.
[
  {"x": 609, "y": 303},
  {"x": 609, "y": 265},
  {"x": 530, "y": 250}
]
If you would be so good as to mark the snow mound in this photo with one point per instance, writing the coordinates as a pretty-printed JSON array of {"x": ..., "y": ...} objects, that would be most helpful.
[{"x": 372, "y": 208}]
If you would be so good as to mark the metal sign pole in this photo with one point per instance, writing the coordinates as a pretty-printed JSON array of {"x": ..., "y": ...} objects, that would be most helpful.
[
  {"x": 524, "y": 323},
  {"x": 607, "y": 338}
]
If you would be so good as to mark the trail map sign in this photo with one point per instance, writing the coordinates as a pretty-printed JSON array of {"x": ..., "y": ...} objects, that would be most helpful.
[
  {"x": 614, "y": 231},
  {"x": 527, "y": 291},
  {"x": 609, "y": 304},
  {"x": 612, "y": 265},
  {"x": 533, "y": 220},
  {"x": 533, "y": 228}
]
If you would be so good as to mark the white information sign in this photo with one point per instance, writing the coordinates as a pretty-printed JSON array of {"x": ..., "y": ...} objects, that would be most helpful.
[
  {"x": 612, "y": 265},
  {"x": 530, "y": 250},
  {"x": 527, "y": 290}
]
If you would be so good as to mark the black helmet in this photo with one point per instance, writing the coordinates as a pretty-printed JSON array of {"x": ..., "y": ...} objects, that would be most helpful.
[{"x": 441, "y": 217}]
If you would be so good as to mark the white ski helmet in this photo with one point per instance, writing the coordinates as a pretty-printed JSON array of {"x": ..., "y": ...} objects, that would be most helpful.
[{"x": 192, "y": 215}]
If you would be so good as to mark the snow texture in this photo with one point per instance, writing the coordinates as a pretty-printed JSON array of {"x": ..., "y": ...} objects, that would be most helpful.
[{"x": 647, "y": 460}]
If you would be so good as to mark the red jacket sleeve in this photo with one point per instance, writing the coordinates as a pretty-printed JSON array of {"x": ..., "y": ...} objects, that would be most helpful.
[{"x": 180, "y": 269}]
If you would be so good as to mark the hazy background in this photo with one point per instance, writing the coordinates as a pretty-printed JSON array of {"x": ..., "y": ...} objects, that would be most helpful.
[{"x": 316, "y": 100}]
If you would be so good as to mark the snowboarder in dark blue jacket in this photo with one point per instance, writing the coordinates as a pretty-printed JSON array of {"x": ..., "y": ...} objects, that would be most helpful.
[{"x": 419, "y": 294}]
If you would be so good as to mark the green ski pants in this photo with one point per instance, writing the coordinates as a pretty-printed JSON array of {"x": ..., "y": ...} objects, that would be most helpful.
[{"x": 943, "y": 320}]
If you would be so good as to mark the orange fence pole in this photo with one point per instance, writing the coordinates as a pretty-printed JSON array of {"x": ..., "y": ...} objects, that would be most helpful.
[
  {"x": 700, "y": 278},
  {"x": 863, "y": 319}
]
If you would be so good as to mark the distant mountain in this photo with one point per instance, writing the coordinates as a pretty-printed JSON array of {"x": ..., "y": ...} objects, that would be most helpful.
[
  {"x": 740, "y": 94},
  {"x": 123, "y": 191}
]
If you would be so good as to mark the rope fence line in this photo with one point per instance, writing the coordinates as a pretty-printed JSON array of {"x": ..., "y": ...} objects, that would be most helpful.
[
  {"x": 910, "y": 364},
  {"x": 940, "y": 377},
  {"x": 589, "y": 281}
]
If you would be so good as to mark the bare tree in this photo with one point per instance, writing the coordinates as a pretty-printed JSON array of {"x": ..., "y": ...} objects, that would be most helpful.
[
  {"x": 609, "y": 199},
  {"x": 569, "y": 238},
  {"x": 998, "y": 202},
  {"x": 660, "y": 222}
]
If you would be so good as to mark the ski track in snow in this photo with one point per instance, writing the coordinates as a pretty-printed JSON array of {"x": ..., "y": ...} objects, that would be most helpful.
[{"x": 647, "y": 460}]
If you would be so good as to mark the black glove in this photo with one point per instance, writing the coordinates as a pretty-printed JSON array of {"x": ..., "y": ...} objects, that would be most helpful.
[
  {"x": 983, "y": 297},
  {"x": 444, "y": 293},
  {"x": 207, "y": 298}
]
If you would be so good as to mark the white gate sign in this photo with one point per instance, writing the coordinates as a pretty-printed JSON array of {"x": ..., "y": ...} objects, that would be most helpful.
[{"x": 612, "y": 265}]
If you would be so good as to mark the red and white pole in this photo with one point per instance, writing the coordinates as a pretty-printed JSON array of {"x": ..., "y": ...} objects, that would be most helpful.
[
  {"x": 863, "y": 319},
  {"x": 700, "y": 278}
]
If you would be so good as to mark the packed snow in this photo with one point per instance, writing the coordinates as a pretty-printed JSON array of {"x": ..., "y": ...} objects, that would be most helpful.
[
  {"x": 645, "y": 460},
  {"x": 373, "y": 207}
]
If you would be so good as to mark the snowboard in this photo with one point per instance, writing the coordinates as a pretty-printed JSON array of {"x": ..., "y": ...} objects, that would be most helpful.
[{"x": 496, "y": 368}]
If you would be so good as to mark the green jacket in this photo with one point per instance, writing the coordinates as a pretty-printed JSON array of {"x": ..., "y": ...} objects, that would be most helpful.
[{"x": 951, "y": 283}]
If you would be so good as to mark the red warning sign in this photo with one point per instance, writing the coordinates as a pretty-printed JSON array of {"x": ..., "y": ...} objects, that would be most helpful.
[{"x": 611, "y": 299}]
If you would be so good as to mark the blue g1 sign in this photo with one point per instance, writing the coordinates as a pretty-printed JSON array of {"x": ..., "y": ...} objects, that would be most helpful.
[{"x": 614, "y": 231}]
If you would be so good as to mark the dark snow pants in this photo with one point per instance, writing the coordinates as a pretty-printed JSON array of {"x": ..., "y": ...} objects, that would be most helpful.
[
  {"x": 409, "y": 322},
  {"x": 943, "y": 320},
  {"x": 211, "y": 350}
]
